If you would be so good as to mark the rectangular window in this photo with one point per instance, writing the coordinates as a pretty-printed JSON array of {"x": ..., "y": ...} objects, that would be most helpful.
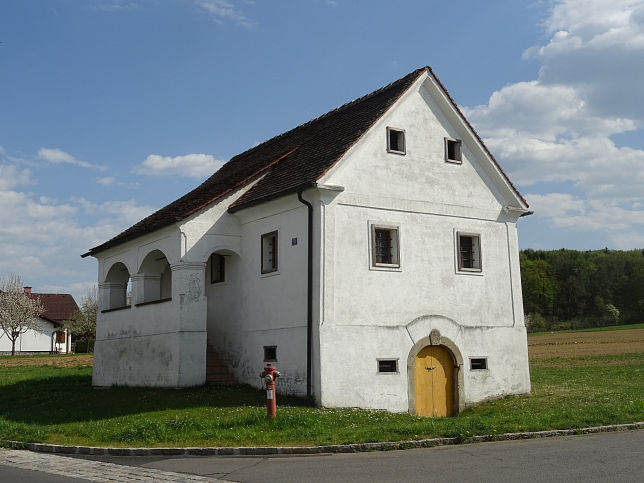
[
  {"x": 453, "y": 151},
  {"x": 385, "y": 246},
  {"x": 478, "y": 364},
  {"x": 387, "y": 366},
  {"x": 270, "y": 353},
  {"x": 269, "y": 252},
  {"x": 395, "y": 140},
  {"x": 217, "y": 268},
  {"x": 469, "y": 252},
  {"x": 60, "y": 337}
]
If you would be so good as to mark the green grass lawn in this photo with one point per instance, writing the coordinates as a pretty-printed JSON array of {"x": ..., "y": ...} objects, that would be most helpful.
[{"x": 58, "y": 405}]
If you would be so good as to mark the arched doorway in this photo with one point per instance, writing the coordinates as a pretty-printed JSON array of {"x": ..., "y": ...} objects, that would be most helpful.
[{"x": 434, "y": 382}]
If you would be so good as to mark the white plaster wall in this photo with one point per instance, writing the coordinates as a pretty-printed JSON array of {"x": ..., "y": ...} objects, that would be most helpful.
[
  {"x": 422, "y": 173},
  {"x": 368, "y": 314},
  {"x": 34, "y": 340},
  {"x": 252, "y": 310}
]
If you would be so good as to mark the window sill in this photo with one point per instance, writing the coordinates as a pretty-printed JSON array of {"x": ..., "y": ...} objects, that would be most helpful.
[
  {"x": 116, "y": 308},
  {"x": 160, "y": 301},
  {"x": 269, "y": 274},
  {"x": 401, "y": 153},
  {"x": 471, "y": 271},
  {"x": 382, "y": 267},
  {"x": 454, "y": 161}
]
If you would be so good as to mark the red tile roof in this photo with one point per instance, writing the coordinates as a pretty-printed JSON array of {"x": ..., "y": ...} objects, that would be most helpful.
[
  {"x": 289, "y": 162},
  {"x": 58, "y": 306}
]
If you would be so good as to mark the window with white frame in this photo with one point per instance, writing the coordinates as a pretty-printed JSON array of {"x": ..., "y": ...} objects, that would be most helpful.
[
  {"x": 453, "y": 152},
  {"x": 469, "y": 252},
  {"x": 269, "y": 252},
  {"x": 385, "y": 246},
  {"x": 217, "y": 268},
  {"x": 395, "y": 140}
]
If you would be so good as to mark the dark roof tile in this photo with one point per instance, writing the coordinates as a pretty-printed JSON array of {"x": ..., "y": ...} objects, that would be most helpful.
[{"x": 58, "y": 306}]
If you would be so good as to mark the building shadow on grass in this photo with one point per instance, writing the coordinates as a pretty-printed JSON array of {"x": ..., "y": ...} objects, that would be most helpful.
[{"x": 71, "y": 398}]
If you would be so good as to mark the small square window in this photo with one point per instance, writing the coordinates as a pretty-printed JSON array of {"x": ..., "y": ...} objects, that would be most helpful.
[
  {"x": 217, "y": 268},
  {"x": 453, "y": 151},
  {"x": 395, "y": 140},
  {"x": 387, "y": 366},
  {"x": 269, "y": 252},
  {"x": 270, "y": 353},
  {"x": 385, "y": 246},
  {"x": 469, "y": 252},
  {"x": 478, "y": 363}
]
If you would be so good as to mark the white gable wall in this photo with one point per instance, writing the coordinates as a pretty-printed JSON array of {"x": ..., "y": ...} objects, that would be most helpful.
[
  {"x": 40, "y": 339},
  {"x": 370, "y": 314}
]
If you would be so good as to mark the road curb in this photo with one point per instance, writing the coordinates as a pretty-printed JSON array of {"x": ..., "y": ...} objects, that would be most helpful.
[{"x": 303, "y": 450}]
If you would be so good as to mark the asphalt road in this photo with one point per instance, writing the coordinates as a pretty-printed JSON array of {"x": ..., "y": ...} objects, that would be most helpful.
[{"x": 617, "y": 456}]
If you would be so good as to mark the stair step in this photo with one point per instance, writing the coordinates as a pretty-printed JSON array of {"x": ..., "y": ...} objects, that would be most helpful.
[{"x": 217, "y": 369}]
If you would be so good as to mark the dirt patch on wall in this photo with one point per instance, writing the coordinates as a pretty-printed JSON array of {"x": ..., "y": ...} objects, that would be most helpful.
[
  {"x": 59, "y": 361},
  {"x": 576, "y": 344}
]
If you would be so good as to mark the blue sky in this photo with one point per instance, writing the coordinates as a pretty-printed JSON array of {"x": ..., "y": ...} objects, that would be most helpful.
[{"x": 110, "y": 109}]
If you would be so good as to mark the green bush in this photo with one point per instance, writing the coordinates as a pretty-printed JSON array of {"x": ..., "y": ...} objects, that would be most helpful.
[{"x": 84, "y": 346}]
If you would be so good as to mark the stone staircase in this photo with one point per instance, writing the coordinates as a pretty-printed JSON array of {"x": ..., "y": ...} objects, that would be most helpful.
[{"x": 217, "y": 369}]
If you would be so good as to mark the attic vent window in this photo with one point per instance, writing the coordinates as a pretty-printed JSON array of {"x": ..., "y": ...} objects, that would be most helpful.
[
  {"x": 387, "y": 366},
  {"x": 478, "y": 363},
  {"x": 453, "y": 151},
  {"x": 395, "y": 140}
]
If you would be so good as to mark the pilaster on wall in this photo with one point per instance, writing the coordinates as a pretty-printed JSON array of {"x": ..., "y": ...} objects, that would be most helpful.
[
  {"x": 111, "y": 294},
  {"x": 145, "y": 287},
  {"x": 189, "y": 292},
  {"x": 189, "y": 298}
]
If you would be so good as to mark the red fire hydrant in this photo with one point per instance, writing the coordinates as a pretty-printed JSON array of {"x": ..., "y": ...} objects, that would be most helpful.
[{"x": 270, "y": 374}]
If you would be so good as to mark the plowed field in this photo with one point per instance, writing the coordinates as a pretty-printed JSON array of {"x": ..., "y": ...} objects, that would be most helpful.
[
  {"x": 576, "y": 344},
  {"x": 60, "y": 361}
]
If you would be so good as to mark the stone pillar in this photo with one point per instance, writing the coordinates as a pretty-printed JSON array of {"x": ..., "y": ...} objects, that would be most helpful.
[
  {"x": 146, "y": 287},
  {"x": 189, "y": 298},
  {"x": 111, "y": 295}
]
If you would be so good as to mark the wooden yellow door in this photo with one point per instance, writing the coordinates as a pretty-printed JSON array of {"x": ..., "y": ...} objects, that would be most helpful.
[{"x": 434, "y": 382}]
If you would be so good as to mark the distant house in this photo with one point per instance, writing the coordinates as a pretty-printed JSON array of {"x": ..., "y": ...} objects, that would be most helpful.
[
  {"x": 371, "y": 254},
  {"x": 50, "y": 336}
]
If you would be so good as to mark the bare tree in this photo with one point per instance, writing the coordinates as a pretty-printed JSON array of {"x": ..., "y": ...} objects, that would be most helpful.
[
  {"x": 18, "y": 310},
  {"x": 82, "y": 324}
]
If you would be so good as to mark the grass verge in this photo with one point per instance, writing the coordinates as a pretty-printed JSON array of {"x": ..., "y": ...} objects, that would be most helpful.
[{"x": 58, "y": 405}]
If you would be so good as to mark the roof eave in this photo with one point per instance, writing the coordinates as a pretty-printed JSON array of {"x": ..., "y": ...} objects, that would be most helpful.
[{"x": 234, "y": 207}]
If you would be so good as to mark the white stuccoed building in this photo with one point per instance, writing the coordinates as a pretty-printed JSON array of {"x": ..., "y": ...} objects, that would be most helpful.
[{"x": 370, "y": 254}]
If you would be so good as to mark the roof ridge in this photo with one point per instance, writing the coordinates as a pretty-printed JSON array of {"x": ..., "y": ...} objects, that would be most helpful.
[{"x": 335, "y": 110}]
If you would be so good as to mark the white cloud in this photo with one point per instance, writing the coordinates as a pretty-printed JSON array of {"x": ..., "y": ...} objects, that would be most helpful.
[
  {"x": 11, "y": 176},
  {"x": 222, "y": 10},
  {"x": 42, "y": 239},
  {"x": 116, "y": 6},
  {"x": 58, "y": 156},
  {"x": 106, "y": 180},
  {"x": 558, "y": 127},
  {"x": 189, "y": 165}
]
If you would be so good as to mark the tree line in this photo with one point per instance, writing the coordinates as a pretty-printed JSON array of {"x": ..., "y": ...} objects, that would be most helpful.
[{"x": 569, "y": 289}]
